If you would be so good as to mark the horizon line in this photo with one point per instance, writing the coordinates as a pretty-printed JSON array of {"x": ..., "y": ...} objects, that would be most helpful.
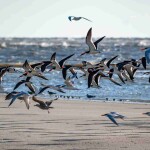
[{"x": 136, "y": 37}]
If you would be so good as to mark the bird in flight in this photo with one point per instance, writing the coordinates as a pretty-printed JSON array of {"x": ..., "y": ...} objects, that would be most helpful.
[{"x": 77, "y": 18}]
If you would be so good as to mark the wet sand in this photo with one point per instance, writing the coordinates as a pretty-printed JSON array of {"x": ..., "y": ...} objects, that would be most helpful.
[{"x": 73, "y": 125}]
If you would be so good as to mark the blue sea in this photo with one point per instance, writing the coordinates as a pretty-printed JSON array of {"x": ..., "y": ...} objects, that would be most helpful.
[{"x": 17, "y": 50}]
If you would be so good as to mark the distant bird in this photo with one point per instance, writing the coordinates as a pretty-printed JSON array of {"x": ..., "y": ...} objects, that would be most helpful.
[
  {"x": 111, "y": 117},
  {"x": 147, "y": 54},
  {"x": 92, "y": 45},
  {"x": 22, "y": 96},
  {"x": 30, "y": 72},
  {"x": 43, "y": 105},
  {"x": 77, "y": 18},
  {"x": 90, "y": 96},
  {"x": 147, "y": 113}
]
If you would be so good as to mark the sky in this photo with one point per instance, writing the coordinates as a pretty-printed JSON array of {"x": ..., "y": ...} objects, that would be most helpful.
[{"x": 49, "y": 18}]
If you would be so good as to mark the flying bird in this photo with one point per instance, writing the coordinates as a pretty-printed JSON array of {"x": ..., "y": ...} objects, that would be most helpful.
[
  {"x": 92, "y": 45},
  {"x": 22, "y": 96},
  {"x": 43, "y": 105},
  {"x": 77, "y": 18},
  {"x": 111, "y": 117}
]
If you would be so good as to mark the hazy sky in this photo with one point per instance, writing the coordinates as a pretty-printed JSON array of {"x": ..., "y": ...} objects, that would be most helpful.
[{"x": 49, "y": 18}]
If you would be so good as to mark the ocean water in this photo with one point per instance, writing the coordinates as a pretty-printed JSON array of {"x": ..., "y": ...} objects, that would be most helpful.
[{"x": 17, "y": 50}]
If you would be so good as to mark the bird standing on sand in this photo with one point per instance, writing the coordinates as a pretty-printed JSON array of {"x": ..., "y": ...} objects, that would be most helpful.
[{"x": 77, "y": 18}]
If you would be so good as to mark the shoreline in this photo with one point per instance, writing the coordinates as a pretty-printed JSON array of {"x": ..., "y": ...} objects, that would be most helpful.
[{"x": 73, "y": 124}]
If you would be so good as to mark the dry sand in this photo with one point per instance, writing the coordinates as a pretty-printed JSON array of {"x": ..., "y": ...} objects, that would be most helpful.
[{"x": 73, "y": 125}]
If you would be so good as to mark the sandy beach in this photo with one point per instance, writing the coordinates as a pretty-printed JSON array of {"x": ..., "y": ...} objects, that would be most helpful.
[{"x": 73, "y": 125}]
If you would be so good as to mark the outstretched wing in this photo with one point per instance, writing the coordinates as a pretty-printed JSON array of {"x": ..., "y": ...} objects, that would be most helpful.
[
  {"x": 112, "y": 119},
  {"x": 38, "y": 101},
  {"x": 61, "y": 63},
  {"x": 96, "y": 42},
  {"x": 86, "y": 19}
]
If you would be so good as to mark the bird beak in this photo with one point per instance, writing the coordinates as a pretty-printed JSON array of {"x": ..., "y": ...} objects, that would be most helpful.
[{"x": 103, "y": 115}]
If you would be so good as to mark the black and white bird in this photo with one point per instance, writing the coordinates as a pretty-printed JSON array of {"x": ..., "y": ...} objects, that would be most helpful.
[
  {"x": 77, "y": 18},
  {"x": 92, "y": 45}
]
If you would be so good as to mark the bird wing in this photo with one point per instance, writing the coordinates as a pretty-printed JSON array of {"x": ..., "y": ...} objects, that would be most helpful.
[
  {"x": 108, "y": 63},
  {"x": 56, "y": 88},
  {"x": 43, "y": 89},
  {"x": 15, "y": 97},
  {"x": 64, "y": 71},
  {"x": 89, "y": 41},
  {"x": 143, "y": 60},
  {"x": 26, "y": 100},
  {"x": 121, "y": 77},
  {"x": 70, "y": 18},
  {"x": 96, "y": 42},
  {"x": 112, "y": 119},
  {"x": 45, "y": 64},
  {"x": 86, "y": 19},
  {"x": 90, "y": 77},
  {"x": 61, "y": 63},
  {"x": 97, "y": 78},
  {"x": 30, "y": 86},
  {"x": 38, "y": 101},
  {"x": 35, "y": 65},
  {"x": 112, "y": 80},
  {"x": 19, "y": 83},
  {"x": 53, "y": 57}
]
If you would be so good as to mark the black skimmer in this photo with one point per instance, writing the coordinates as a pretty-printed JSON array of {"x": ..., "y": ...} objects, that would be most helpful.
[
  {"x": 43, "y": 105},
  {"x": 58, "y": 65},
  {"x": 77, "y": 18},
  {"x": 22, "y": 96},
  {"x": 92, "y": 45},
  {"x": 29, "y": 71}
]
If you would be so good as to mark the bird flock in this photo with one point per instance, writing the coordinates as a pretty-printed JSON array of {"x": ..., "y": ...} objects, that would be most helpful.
[{"x": 92, "y": 73}]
